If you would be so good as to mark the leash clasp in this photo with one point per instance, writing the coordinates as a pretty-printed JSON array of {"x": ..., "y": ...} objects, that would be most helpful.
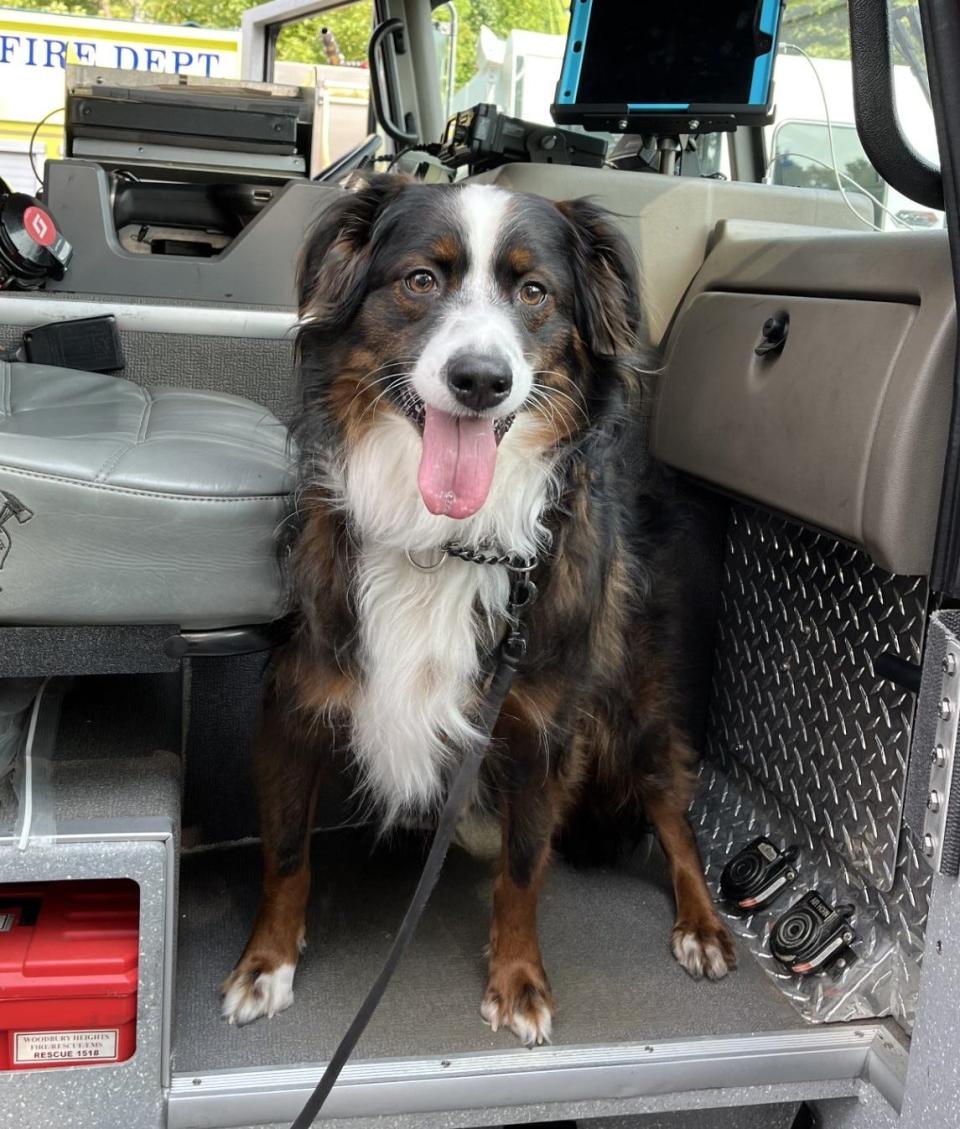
[{"x": 523, "y": 594}]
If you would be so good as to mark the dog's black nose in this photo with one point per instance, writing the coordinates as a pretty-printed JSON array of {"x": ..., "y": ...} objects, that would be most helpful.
[{"x": 478, "y": 380}]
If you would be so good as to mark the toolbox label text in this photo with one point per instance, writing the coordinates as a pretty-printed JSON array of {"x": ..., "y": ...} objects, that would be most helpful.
[{"x": 65, "y": 1046}]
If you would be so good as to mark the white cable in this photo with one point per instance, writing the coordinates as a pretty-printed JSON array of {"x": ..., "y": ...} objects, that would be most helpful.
[
  {"x": 28, "y": 770},
  {"x": 833, "y": 152},
  {"x": 859, "y": 187}
]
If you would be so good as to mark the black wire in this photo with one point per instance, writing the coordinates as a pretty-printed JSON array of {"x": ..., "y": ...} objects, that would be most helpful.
[
  {"x": 33, "y": 138},
  {"x": 431, "y": 150}
]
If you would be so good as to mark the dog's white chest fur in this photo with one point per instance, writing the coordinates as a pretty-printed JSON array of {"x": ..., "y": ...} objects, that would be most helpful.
[{"x": 422, "y": 634}]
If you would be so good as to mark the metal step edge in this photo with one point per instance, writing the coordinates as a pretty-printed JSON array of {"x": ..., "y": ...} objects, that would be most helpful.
[{"x": 224, "y": 1098}]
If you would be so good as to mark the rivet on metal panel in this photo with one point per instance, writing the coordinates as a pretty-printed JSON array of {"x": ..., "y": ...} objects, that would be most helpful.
[
  {"x": 933, "y": 800},
  {"x": 929, "y": 844},
  {"x": 944, "y": 709},
  {"x": 938, "y": 758},
  {"x": 949, "y": 664}
]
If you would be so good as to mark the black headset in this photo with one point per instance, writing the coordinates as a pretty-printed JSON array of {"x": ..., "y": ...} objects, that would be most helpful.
[{"x": 32, "y": 249}]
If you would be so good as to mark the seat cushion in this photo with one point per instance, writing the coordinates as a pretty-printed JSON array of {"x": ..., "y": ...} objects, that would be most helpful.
[{"x": 122, "y": 504}]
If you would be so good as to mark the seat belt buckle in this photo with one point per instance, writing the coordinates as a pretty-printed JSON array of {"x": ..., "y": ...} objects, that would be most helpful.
[{"x": 88, "y": 344}]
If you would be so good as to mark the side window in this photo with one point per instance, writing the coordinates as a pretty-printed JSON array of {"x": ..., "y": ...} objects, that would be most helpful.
[
  {"x": 329, "y": 53},
  {"x": 813, "y": 142}
]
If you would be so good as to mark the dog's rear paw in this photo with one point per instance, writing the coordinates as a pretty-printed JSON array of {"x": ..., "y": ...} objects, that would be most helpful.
[
  {"x": 706, "y": 950},
  {"x": 253, "y": 990},
  {"x": 520, "y": 1001}
]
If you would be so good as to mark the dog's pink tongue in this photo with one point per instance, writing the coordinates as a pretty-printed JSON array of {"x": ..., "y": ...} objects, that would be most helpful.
[{"x": 457, "y": 464}]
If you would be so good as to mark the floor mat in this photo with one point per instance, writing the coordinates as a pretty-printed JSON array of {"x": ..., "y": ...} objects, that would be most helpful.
[{"x": 605, "y": 943}]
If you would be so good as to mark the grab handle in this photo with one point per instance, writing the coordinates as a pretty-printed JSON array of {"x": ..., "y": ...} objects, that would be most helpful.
[{"x": 394, "y": 28}]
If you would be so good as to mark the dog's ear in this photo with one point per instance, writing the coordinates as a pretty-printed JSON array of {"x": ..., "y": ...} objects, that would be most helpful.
[
  {"x": 333, "y": 267},
  {"x": 607, "y": 290}
]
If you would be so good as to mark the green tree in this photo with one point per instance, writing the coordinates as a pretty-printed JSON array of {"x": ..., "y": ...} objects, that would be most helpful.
[
  {"x": 350, "y": 25},
  {"x": 502, "y": 17},
  {"x": 299, "y": 42},
  {"x": 822, "y": 28}
]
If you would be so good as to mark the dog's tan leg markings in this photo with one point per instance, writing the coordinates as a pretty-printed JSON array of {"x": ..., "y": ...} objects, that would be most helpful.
[
  {"x": 262, "y": 982},
  {"x": 701, "y": 942},
  {"x": 518, "y": 995},
  {"x": 288, "y": 777}
]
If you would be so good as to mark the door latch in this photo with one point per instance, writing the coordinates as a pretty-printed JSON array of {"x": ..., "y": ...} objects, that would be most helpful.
[{"x": 773, "y": 335}]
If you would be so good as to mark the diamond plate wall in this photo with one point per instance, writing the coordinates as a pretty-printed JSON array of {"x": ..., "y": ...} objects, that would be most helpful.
[
  {"x": 805, "y": 744},
  {"x": 795, "y": 697}
]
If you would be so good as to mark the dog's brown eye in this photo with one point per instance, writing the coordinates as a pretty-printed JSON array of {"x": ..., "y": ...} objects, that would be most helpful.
[
  {"x": 421, "y": 282},
  {"x": 532, "y": 293}
]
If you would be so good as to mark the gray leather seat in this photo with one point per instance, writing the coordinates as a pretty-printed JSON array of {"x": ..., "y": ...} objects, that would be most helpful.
[{"x": 126, "y": 505}]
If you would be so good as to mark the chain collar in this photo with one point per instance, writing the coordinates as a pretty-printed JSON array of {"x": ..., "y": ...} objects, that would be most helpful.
[
  {"x": 522, "y": 594},
  {"x": 515, "y": 562}
]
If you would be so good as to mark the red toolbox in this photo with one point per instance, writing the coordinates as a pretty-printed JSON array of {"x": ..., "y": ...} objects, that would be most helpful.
[{"x": 68, "y": 973}]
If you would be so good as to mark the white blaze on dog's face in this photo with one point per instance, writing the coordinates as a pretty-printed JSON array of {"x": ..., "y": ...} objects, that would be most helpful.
[{"x": 472, "y": 371}]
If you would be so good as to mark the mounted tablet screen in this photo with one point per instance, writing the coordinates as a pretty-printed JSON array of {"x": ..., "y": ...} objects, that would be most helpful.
[{"x": 684, "y": 61}]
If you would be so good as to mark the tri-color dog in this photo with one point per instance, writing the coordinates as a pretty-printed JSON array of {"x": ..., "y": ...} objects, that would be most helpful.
[{"x": 470, "y": 367}]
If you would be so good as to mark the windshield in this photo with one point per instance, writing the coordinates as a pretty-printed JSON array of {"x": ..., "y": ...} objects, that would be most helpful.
[
  {"x": 505, "y": 52},
  {"x": 509, "y": 52}
]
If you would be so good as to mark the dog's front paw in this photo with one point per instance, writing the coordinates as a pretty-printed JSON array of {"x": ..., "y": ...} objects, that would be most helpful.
[
  {"x": 521, "y": 1001},
  {"x": 256, "y": 988},
  {"x": 704, "y": 950}
]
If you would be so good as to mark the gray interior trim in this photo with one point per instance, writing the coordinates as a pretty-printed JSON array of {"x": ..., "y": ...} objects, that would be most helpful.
[
  {"x": 257, "y": 267},
  {"x": 670, "y": 220},
  {"x": 794, "y": 431},
  {"x": 29, "y": 310},
  {"x": 846, "y": 428},
  {"x": 221, "y": 1099}
]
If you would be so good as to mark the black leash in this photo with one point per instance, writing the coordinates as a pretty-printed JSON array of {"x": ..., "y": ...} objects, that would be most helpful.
[{"x": 512, "y": 648}]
